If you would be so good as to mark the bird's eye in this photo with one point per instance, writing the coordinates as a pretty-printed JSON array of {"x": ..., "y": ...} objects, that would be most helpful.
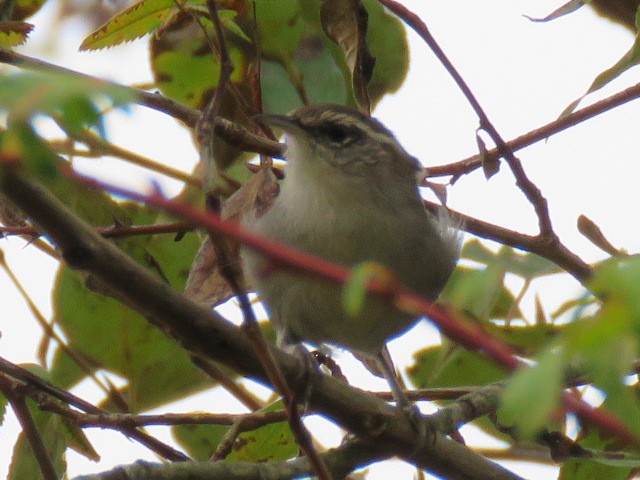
[{"x": 336, "y": 134}]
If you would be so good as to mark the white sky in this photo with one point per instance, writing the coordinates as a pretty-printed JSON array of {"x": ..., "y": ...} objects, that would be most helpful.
[{"x": 524, "y": 74}]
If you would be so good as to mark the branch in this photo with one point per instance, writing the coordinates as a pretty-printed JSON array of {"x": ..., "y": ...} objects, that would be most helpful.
[
  {"x": 551, "y": 249},
  {"x": 31, "y": 380},
  {"x": 468, "y": 165},
  {"x": 340, "y": 462},
  {"x": 530, "y": 190},
  {"x": 205, "y": 333},
  {"x": 466, "y": 333},
  {"x": 30, "y": 430},
  {"x": 468, "y": 408},
  {"x": 189, "y": 116}
]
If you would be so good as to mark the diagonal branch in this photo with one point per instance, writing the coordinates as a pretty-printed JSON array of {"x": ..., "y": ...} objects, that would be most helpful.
[
  {"x": 554, "y": 251},
  {"x": 468, "y": 165},
  {"x": 234, "y": 134},
  {"x": 531, "y": 191},
  {"x": 28, "y": 378},
  {"x": 206, "y": 334},
  {"x": 30, "y": 430}
]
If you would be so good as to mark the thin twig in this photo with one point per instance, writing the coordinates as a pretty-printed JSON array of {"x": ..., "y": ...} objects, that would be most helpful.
[
  {"x": 468, "y": 165},
  {"x": 466, "y": 333},
  {"x": 116, "y": 231},
  {"x": 156, "y": 101},
  {"x": 30, "y": 430},
  {"x": 203, "y": 332},
  {"x": 28, "y": 378},
  {"x": 530, "y": 190},
  {"x": 554, "y": 251}
]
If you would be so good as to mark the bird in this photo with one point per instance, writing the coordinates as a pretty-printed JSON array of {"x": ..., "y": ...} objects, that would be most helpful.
[{"x": 350, "y": 196}]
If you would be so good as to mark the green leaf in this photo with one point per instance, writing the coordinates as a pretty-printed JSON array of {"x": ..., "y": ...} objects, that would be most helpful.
[
  {"x": 272, "y": 442},
  {"x": 387, "y": 40},
  {"x": 183, "y": 65},
  {"x": 354, "y": 291},
  {"x": 14, "y": 33},
  {"x": 115, "y": 338},
  {"x": 199, "y": 441},
  {"x": 527, "y": 339},
  {"x": 139, "y": 19},
  {"x": 3, "y": 408},
  {"x": 533, "y": 393},
  {"x": 619, "y": 279},
  {"x": 280, "y": 28},
  {"x": 24, "y": 465},
  {"x": 21, "y": 143},
  {"x": 583, "y": 469},
  {"x": 628, "y": 60},
  {"x": 527, "y": 266},
  {"x": 72, "y": 99},
  {"x": 480, "y": 293},
  {"x": 440, "y": 366},
  {"x": 317, "y": 76},
  {"x": 604, "y": 460}
]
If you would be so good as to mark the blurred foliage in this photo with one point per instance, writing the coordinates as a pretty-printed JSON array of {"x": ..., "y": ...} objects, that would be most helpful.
[
  {"x": 624, "y": 12},
  {"x": 283, "y": 58}
]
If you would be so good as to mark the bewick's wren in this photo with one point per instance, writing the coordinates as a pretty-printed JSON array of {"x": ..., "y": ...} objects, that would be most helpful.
[{"x": 350, "y": 196}]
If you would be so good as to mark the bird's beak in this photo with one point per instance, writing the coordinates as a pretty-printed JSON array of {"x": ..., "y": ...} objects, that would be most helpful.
[{"x": 284, "y": 122}]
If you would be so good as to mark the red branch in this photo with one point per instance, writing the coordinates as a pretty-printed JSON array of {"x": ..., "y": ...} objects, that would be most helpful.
[{"x": 462, "y": 331}]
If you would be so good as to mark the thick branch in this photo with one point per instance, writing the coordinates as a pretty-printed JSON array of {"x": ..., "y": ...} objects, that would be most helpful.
[
  {"x": 340, "y": 462},
  {"x": 206, "y": 334}
]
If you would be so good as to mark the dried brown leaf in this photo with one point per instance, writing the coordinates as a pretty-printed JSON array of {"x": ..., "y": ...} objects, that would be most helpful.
[
  {"x": 205, "y": 283},
  {"x": 345, "y": 22},
  {"x": 594, "y": 234}
]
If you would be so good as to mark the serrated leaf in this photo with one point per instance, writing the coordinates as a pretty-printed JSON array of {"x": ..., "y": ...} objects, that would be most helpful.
[
  {"x": 14, "y": 33},
  {"x": 141, "y": 18},
  {"x": 533, "y": 393}
]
